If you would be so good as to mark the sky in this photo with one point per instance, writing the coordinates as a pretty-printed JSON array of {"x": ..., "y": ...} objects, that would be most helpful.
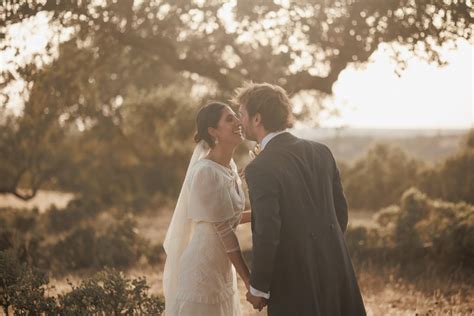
[{"x": 424, "y": 97}]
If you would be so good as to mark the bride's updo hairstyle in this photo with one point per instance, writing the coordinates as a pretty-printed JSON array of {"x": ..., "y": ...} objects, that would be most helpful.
[{"x": 208, "y": 116}]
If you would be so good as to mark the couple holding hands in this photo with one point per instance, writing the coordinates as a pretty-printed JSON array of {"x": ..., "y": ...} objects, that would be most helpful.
[{"x": 300, "y": 262}]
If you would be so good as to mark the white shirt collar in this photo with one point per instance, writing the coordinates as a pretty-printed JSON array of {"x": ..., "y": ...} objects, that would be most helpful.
[{"x": 268, "y": 138}]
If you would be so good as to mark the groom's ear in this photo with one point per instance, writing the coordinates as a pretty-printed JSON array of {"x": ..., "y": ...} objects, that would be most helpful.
[{"x": 257, "y": 118}]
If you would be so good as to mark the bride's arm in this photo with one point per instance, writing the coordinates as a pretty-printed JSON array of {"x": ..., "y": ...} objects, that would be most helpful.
[
  {"x": 240, "y": 266},
  {"x": 232, "y": 248},
  {"x": 246, "y": 217}
]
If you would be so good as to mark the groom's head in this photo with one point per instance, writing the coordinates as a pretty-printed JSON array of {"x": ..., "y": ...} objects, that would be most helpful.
[{"x": 264, "y": 108}]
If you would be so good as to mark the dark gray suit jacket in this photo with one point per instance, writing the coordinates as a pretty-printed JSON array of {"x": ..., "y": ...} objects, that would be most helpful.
[{"x": 299, "y": 216}]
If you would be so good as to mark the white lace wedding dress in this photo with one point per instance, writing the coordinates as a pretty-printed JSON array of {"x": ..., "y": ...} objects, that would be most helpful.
[{"x": 202, "y": 280}]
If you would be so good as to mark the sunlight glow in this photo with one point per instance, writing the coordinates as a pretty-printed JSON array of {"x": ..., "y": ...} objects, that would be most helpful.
[
  {"x": 425, "y": 96},
  {"x": 370, "y": 96}
]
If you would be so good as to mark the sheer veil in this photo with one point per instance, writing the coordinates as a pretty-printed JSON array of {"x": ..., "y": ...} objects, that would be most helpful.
[{"x": 179, "y": 231}]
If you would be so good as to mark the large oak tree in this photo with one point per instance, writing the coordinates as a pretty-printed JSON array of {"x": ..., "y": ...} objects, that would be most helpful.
[{"x": 120, "y": 49}]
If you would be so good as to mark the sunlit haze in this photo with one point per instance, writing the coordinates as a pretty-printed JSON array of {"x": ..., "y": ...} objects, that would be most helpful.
[{"x": 425, "y": 96}]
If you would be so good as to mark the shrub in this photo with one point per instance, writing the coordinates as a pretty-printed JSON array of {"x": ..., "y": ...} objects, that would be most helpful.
[
  {"x": 452, "y": 179},
  {"x": 419, "y": 227},
  {"x": 23, "y": 287},
  {"x": 386, "y": 217},
  {"x": 110, "y": 293},
  {"x": 120, "y": 245},
  {"x": 378, "y": 179},
  {"x": 77, "y": 250},
  {"x": 88, "y": 247},
  {"x": 22, "y": 290},
  {"x": 19, "y": 233},
  {"x": 449, "y": 230},
  {"x": 413, "y": 207},
  {"x": 155, "y": 254},
  {"x": 73, "y": 214}
]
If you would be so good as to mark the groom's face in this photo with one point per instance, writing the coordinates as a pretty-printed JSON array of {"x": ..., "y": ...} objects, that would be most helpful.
[{"x": 247, "y": 125}]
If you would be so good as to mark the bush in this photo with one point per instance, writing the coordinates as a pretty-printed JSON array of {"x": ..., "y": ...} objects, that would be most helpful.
[
  {"x": 74, "y": 213},
  {"x": 155, "y": 254},
  {"x": 20, "y": 234},
  {"x": 22, "y": 290},
  {"x": 453, "y": 179},
  {"x": 418, "y": 228},
  {"x": 79, "y": 236},
  {"x": 378, "y": 179},
  {"x": 77, "y": 250},
  {"x": 120, "y": 245},
  {"x": 386, "y": 217},
  {"x": 414, "y": 207},
  {"x": 110, "y": 293},
  {"x": 23, "y": 287},
  {"x": 449, "y": 230},
  {"x": 88, "y": 247}
]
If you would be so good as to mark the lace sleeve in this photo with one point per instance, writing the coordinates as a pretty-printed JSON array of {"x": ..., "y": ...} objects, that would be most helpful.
[{"x": 226, "y": 234}]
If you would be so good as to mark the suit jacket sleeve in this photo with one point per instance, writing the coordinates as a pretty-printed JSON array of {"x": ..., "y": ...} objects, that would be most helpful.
[
  {"x": 340, "y": 202},
  {"x": 266, "y": 223}
]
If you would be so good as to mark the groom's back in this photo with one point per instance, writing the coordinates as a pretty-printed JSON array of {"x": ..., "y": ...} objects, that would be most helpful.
[
  {"x": 310, "y": 183},
  {"x": 313, "y": 273}
]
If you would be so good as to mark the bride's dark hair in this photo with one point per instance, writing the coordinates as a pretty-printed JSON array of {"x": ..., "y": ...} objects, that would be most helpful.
[{"x": 208, "y": 116}]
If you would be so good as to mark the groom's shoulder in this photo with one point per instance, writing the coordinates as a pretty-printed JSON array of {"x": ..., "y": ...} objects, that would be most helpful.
[
  {"x": 319, "y": 149},
  {"x": 304, "y": 142},
  {"x": 259, "y": 164},
  {"x": 257, "y": 161},
  {"x": 320, "y": 145}
]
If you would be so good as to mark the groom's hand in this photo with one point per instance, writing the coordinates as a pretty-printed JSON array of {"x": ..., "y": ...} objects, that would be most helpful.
[{"x": 257, "y": 302}]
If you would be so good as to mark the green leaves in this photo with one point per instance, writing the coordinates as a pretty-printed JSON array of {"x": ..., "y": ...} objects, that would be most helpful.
[
  {"x": 109, "y": 292},
  {"x": 23, "y": 287},
  {"x": 306, "y": 45},
  {"x": 419, "y": 227}
]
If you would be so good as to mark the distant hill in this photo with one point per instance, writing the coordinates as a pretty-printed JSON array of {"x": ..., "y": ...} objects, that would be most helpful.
[{"x": 348, "y": 144}]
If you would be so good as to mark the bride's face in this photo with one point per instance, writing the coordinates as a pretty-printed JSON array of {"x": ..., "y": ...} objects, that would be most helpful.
[{"x": 229, "y": 128}]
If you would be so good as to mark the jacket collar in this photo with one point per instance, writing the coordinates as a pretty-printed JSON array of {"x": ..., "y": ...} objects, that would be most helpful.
[
  {"x": 268, "y": 138},
  {"x": 276, "y": 139}
]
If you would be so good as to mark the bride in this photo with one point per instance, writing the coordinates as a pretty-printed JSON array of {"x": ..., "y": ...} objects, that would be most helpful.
[{"x": 203, "y": 252}]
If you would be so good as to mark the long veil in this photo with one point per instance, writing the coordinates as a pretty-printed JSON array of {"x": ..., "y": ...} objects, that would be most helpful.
[{"x": 179, "y": 232}]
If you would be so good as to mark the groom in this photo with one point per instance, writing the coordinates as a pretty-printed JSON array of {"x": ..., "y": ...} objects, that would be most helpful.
[{"x": 301, "y": 265}]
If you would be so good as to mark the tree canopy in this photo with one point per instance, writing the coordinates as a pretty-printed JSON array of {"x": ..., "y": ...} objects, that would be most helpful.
[
  {"x": 298, "y": 44},
  {"x": 128, "y": 72}
]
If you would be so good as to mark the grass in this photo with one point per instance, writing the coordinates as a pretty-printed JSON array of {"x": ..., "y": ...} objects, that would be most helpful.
[
  {"x": 386, "y": 293},
  {"x": 385, "y": 290}
]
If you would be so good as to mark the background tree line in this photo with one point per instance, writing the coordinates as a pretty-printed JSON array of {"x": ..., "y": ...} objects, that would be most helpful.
[{"x": 379, "y": 178}]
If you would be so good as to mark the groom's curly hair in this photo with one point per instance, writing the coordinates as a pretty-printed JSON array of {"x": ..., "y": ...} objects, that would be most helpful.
[{"x": 271, "y": 101}]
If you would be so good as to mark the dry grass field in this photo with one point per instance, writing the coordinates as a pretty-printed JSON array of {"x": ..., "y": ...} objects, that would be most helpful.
[{"x": 384, "y": 293}]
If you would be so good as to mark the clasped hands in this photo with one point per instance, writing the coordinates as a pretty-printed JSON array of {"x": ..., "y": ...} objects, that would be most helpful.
[{"x": 256, "y": 301}]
